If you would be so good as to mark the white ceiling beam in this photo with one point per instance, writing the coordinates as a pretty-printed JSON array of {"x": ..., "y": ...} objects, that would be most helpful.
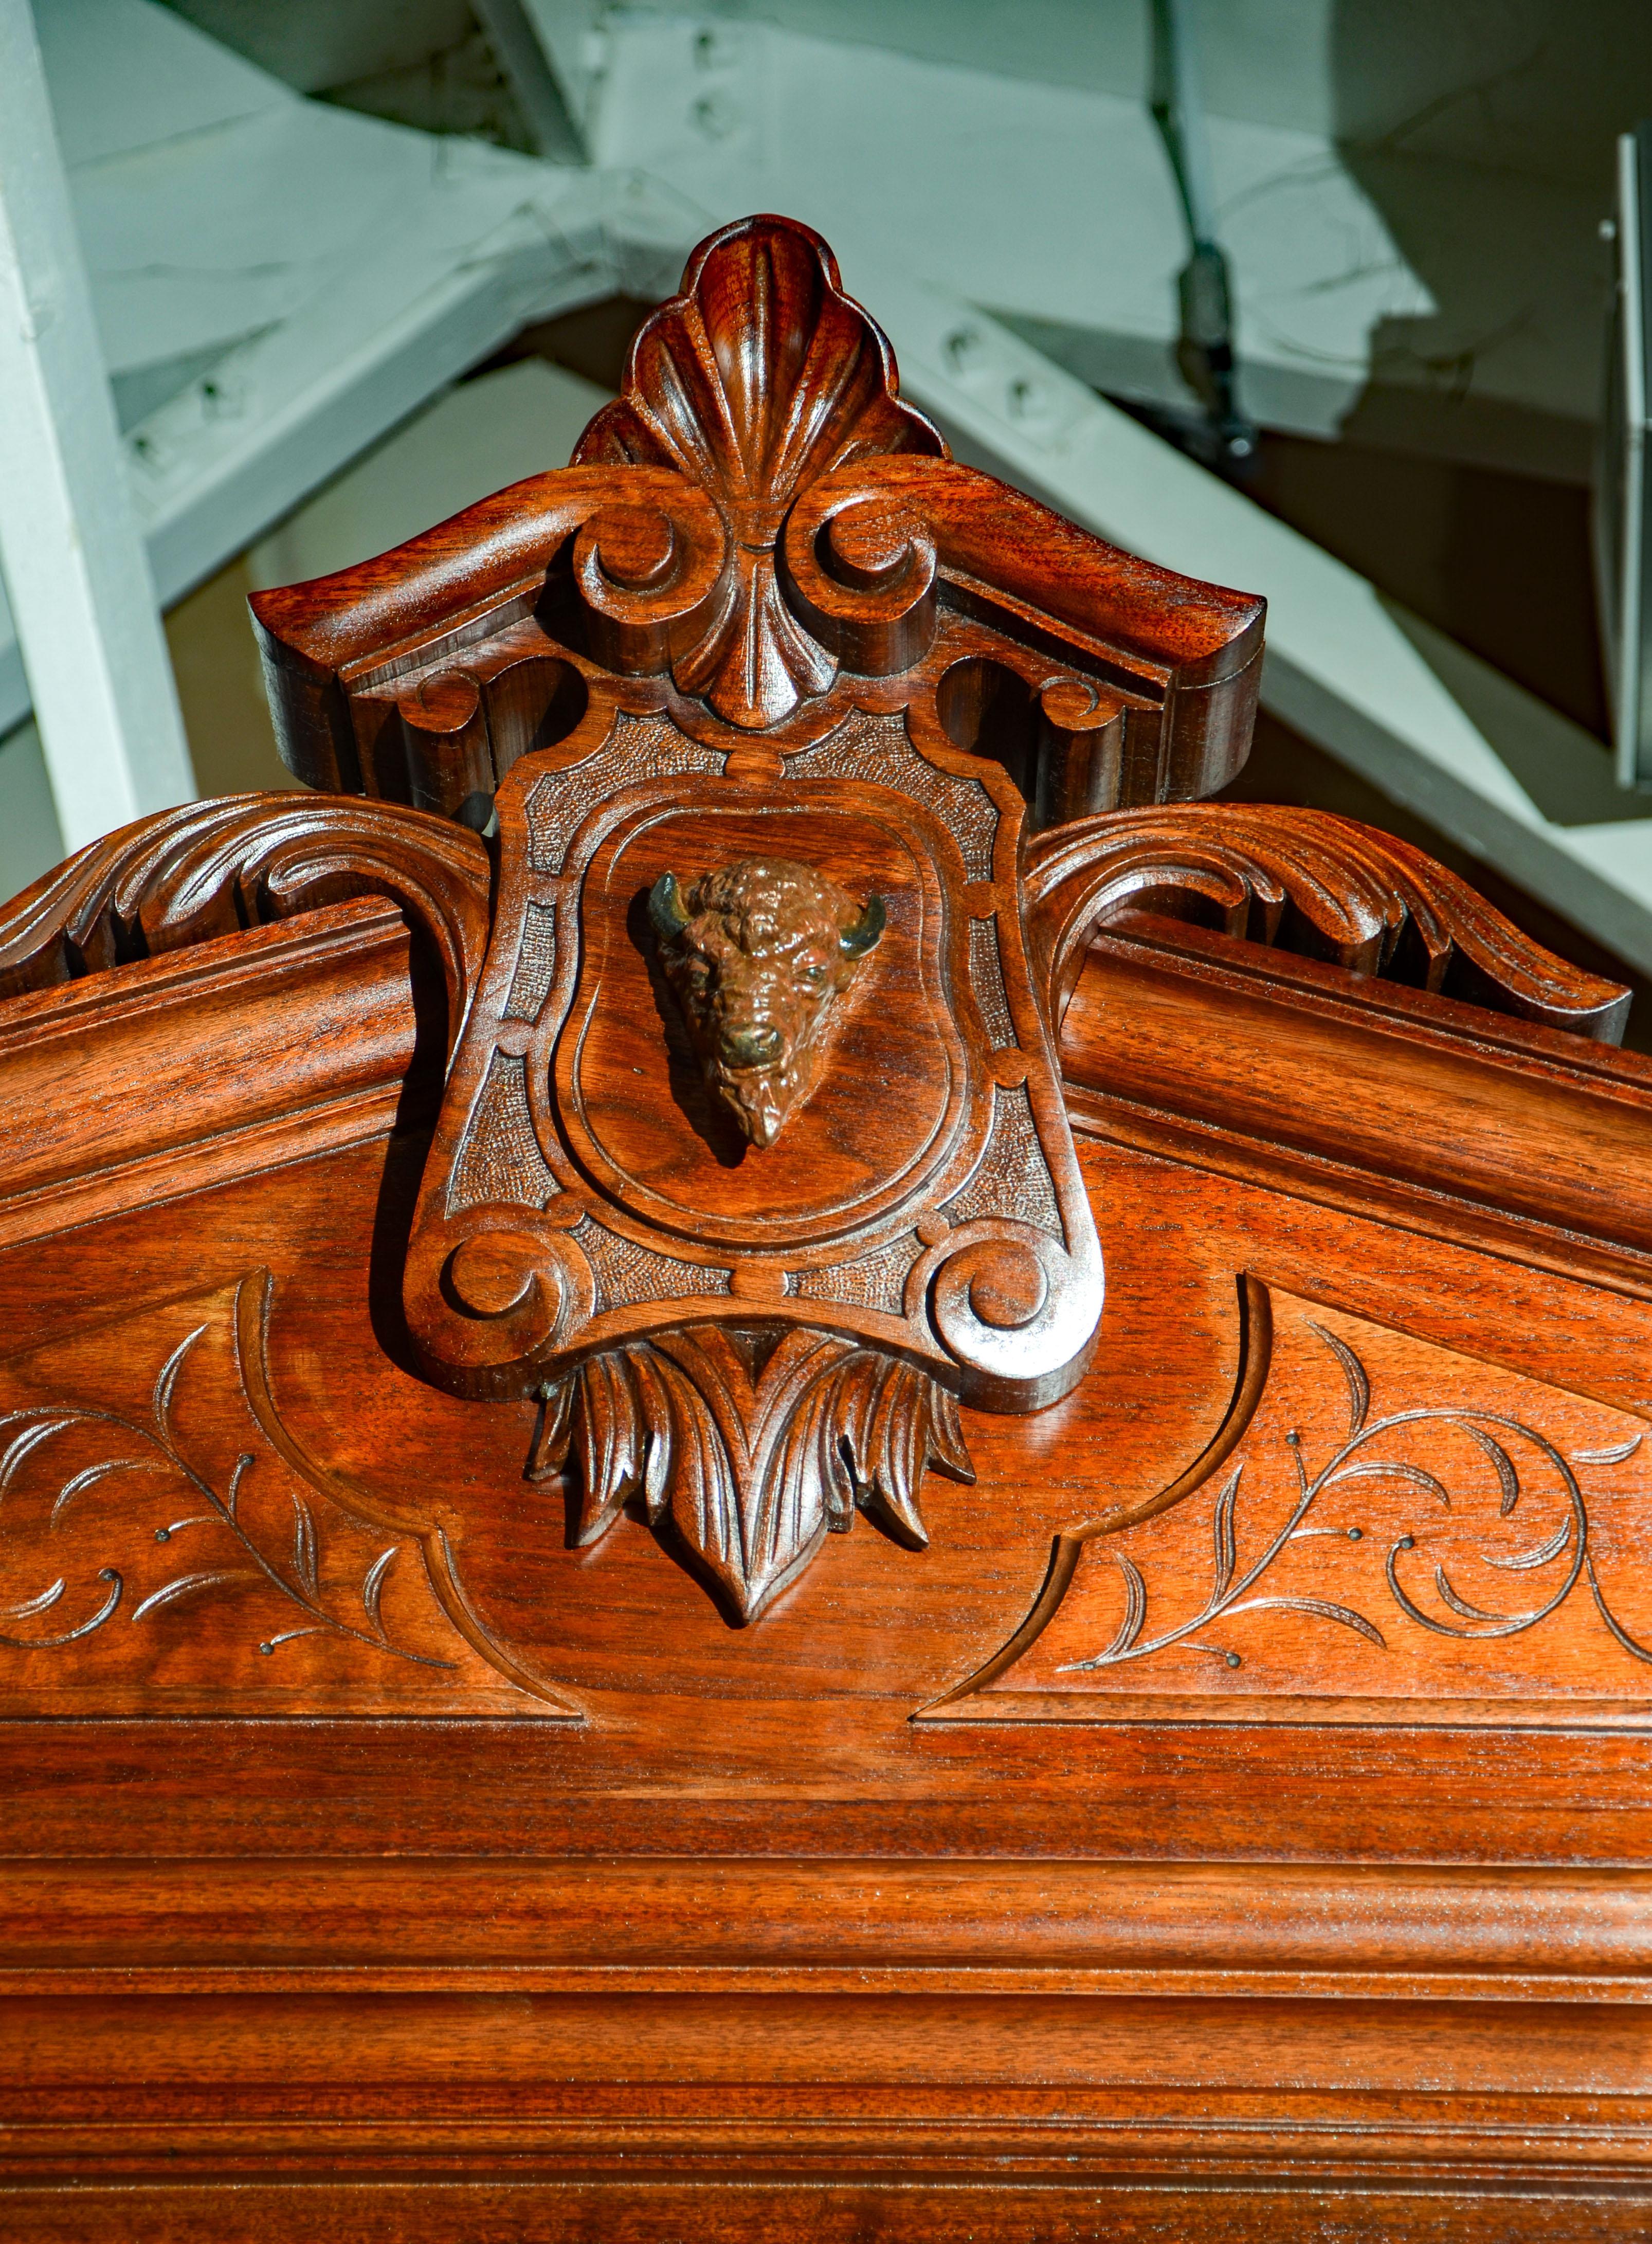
[
  {"x": 304, "y": 279},
  {"x": 1426, "y": 721},
  {"x": 81, "y": 591}
]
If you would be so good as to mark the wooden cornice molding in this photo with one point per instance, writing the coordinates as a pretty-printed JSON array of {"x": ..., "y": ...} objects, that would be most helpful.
[
  {"x": 209, "y": 869},
  {"x": 754, "y": 1157},
  {"x": 1357, "y": 1093},
  {"x": 597, "y": 1632},
  {"x": 686, "y": 1924}
]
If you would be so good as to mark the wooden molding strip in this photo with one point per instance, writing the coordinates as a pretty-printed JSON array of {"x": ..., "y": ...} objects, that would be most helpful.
[
  {"x": 160, "y": 1077},
  {"x": 616, "y": 1922},
  {"x": 1414, "y": 1092}
]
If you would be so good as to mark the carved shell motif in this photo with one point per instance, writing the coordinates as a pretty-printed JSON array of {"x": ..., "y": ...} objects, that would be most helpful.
[{"x": 760, "y": 379}]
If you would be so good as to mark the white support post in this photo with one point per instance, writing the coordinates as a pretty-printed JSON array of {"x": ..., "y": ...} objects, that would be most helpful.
[
  {"x": 538, "y": 91},
  {"x": 76, "y": 574}
]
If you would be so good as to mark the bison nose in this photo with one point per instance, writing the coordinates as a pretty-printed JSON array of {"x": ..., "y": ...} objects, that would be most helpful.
[{"x": 751, "y": 1047}]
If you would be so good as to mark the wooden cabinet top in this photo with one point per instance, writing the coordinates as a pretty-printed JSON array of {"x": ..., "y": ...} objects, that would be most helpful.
[{"x": 759, "y": 1293}]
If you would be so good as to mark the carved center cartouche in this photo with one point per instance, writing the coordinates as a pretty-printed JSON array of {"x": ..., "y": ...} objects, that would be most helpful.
[{"x": 758, "y": 955}]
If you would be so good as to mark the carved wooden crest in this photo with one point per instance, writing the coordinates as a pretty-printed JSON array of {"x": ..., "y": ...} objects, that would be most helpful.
[{"x": 753, "y": 1158}]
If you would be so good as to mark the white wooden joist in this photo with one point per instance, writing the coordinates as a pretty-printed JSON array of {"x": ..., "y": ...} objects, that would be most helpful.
[
  {"x": 321, "y": 340},
  {"x": 1429, "y": 724},
  {"x": 1052, "y": 206},
  {"x": 304, "y": 278},
  {"x": 111, "y": 733}
]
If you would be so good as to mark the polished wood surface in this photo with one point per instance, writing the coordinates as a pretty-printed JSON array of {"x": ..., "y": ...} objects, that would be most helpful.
[{"x": 461, "y": 1776}]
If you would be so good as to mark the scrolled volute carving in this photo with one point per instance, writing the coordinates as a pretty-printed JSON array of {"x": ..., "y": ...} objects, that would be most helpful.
[
  {"x": 209, "y": 869},
  {"x": 760, "y": 520},
  {"x": 861, "y": 571},
  {"x": 651, "y": 581},
  {"x": 1308, "y": 882}
]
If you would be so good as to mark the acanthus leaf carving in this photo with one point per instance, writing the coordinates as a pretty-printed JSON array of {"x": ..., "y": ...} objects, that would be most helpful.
[
  {"x": 749, "y": 1446},
  {"x": 1309, "y": 881},
  {"x": 209, "y": 869}
]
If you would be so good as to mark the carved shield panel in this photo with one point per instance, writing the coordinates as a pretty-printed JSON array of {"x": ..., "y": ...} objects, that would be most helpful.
[
  {"x": 919, "y": 1207},
  {"x": 753, "y": 1161}
]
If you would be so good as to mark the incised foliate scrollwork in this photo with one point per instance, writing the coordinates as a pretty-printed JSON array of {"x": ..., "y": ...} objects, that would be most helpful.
[{"x": 1377, "y": 1451}]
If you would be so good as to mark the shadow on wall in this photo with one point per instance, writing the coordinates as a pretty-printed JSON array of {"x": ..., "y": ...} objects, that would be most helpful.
[
  {"x": 1460, "y": 481},
  {"x": 1534, "y": 95}
]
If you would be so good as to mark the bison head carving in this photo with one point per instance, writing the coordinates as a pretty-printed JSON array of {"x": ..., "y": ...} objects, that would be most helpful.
[{"x": 758, "y": 955}]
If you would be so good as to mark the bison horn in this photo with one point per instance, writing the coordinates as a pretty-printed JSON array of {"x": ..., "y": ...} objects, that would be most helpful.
[
  {"x": 666, "y": 907},
  {"x": 855, "y": 942}
]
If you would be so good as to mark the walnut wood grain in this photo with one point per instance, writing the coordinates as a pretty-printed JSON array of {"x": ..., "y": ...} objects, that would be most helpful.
[
  {"x": 1310, "y": 883},
  {"x": 761, "y": 518},
  {"x": 1237, "y": 2206},
  {"x": 270, "y": 1046},
  {"x": 208, "y": 868},
  {"x": 708, "y": 1925},
  {"x": 399, "y": 1841},
  {"x": 1391, "y": 1087}
]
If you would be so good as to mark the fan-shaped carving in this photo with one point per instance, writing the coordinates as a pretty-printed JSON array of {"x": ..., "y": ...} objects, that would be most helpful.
[{"x": 758, "y": 380}]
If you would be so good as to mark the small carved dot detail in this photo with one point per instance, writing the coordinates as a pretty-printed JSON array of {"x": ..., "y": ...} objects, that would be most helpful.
[
  {"x": 880, "y": 750},
  {"x": 877, "y": 1281},
  {"x": 536, "y": 963},
  {"x": 1013, "y": 1176},
  {"x": 627, "y": 1274},
  {"x": 986, "y": 980},
  {"x": 638, "y": 748},
  {"x": 500, "y": 1160}
]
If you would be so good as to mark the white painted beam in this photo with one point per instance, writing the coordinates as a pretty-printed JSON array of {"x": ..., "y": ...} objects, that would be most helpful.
[
  {"x": 539, "y": 94},
  {"x": 75, "y": 563},
  {"x": 331, "y": 272},
  {"x": 1052, "y": 204},
  {"x": 1429, "y": 724},
  {"x": 575, "y": 50},
  {"x": 739, "y": 116}
]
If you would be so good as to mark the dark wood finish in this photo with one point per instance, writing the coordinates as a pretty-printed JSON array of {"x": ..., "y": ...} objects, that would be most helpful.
[
  {"x": 1310, "y": 883},
  {"x": 757, "y": 513},
  {"x": 1212, "y": 1803}
]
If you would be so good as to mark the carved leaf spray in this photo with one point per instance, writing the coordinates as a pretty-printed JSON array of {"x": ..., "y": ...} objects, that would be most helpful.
[
  {"x": 1390, "y": 1559},
  {"x": 1494, "y": 1437}
]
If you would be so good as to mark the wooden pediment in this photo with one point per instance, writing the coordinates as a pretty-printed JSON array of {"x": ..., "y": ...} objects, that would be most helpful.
[
  {"x": 764, "y": 1423},
  {"x": 749, "y": 1201}
]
